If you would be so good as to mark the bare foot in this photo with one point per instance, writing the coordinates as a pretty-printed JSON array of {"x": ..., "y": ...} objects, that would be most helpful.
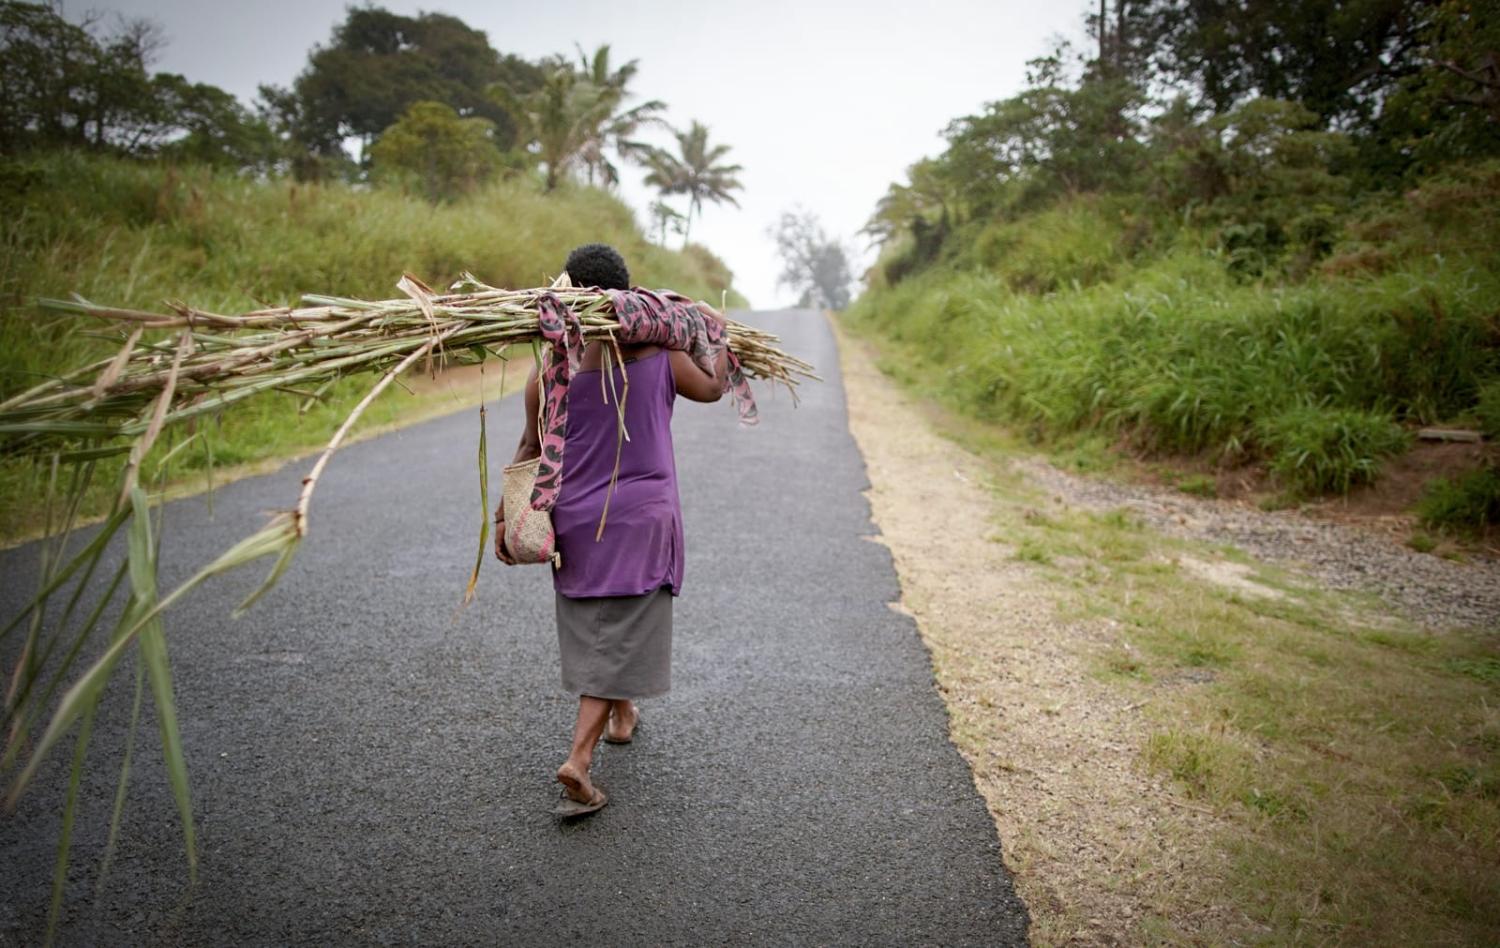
[
  {"x": 576, "y": 783},
  {"x": 621, "y": 727}
]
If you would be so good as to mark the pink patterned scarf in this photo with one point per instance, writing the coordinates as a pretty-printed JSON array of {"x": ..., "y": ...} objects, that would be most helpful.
[{"x": 661, "y": 318}]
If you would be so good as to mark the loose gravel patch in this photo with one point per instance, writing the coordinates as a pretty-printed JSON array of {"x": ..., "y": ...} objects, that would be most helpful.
[{"x": 1432, "y": 591}]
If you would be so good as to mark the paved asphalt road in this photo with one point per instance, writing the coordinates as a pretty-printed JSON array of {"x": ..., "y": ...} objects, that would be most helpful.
[{"x": 371, "y": 766}]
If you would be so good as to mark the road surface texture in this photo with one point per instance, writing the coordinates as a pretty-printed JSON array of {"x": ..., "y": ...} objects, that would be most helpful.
[{"x": 372, "y": 765}]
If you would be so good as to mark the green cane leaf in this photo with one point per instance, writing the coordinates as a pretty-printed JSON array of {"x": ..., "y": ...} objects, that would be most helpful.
[
  {"x": 484, "y": 504},
  {"x": 153, "y": 652}
]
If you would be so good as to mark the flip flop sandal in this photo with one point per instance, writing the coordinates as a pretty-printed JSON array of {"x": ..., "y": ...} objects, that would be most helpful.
[
  {"x": 568, "y": 807},
  {"x": 621, "y": 740}
]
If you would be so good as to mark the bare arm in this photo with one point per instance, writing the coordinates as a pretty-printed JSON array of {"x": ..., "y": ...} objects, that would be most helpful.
[
  {"x": 531, "y": 445},
  {"x": 694, "y": 383},
  {"x": 691, "y": 381}
]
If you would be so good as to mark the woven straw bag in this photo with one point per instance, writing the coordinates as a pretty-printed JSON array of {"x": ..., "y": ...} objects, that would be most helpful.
[{"x": 529, "y": 537}]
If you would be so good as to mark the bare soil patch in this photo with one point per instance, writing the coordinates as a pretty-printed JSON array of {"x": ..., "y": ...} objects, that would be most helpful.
[{"x": 1229, "y": 574}]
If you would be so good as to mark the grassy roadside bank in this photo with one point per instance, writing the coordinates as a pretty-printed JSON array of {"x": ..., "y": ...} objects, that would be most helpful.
[
  {"x": 1181, "y": 744},
  {"x": 1089, "y": 319},
  {"x": 134, "y": 234}
]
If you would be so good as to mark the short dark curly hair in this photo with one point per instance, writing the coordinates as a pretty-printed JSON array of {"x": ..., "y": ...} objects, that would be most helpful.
[{"x": 598, "y": 265}]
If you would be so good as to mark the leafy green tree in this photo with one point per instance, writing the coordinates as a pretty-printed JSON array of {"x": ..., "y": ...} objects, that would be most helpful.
[
  {"x": 125, "y": 108},
  {"x": 446, "y": 154},
  {"x": 63, "y": 85},
  {"x": 1125, "y": 40},
  {"x": 1049, "y": 140},
  {"x": 812, "y": 263},
  {"x": 1282, "y": 182},
  {"x": 207, "y": 125},
  {"x": 378, "y": 63},
  {"x": 920, "y": 209},
  {"x": 1263, "y": 151},
  {"x": 1449, "y": 110},
  {"x": 283, "y": 113},
  {"x": 577, "y": 115},
  {"x": 664, "y": 217},
  {"x": 1060, "y": 136},
  {"x": 696, "y": 171},
  {"x": 924, "y": 199},
  {"x": 43, "y": 60},
  {"x": 1339, "y": 58}
]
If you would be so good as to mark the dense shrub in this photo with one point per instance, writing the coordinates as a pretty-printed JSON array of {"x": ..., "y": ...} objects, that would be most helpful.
[
  {"x": 1488, "y": 408},
  {"x": 1328, "y": 450},
  {"x": 1075, "y": 245},
  {"x": 1467, "y": 503}
]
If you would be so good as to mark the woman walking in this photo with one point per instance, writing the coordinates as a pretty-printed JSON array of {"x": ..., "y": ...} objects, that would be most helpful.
[{"x": 614, "y": 588}]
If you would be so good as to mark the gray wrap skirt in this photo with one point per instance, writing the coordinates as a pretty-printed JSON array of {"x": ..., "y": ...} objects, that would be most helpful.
[{"x": 616, "y": 646}]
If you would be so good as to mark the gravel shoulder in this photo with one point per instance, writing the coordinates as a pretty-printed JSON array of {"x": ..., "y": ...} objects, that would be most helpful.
[
  {"x": 1050, "y": 706},
  {"x": 1053, "y": 751}
]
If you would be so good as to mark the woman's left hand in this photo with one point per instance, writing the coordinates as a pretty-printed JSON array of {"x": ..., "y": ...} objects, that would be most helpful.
[
  {"x": 710, "y": 312},
  {"x": 501, "y": 553}
]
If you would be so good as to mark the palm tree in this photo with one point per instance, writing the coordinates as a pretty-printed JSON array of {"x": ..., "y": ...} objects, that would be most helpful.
[
  {"x": 560, "y": 117},
  {"x": 663, "y": 216},
  {"x": 575, "y": 115},
  {"x": 696, "y": 173},
  {"x": 617, "y": 128}
]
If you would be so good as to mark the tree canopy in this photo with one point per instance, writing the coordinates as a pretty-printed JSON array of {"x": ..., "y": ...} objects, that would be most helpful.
[
  {"x": 1338, "y": 58},
  {"x": 378, "y": 63},
  {"x": 1262, "y": 117},
  {"x": 445, "y": 154},
  {"x": 381, "y": 76},
  {"x": 72, "y": 85},
  {"x": 619, "y": 127},
  {"x": 577, "y": 114}
]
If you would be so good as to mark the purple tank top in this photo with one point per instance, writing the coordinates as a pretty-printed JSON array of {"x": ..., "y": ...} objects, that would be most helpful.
[{"x": 641, "y": 549}]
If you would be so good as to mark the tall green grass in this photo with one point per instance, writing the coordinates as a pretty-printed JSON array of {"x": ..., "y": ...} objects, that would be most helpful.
[
  {"x": 1078, "y": 244},
  {"x": 135, "y": 234},
  {"x": 1470, "y": 502},
  {"x": 1158, "y": 341}
]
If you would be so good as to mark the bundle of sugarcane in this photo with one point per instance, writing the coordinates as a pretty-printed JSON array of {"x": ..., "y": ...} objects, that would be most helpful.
[
  {"x": 217, "y": 360},
  {"x": 198, "y": 362}
]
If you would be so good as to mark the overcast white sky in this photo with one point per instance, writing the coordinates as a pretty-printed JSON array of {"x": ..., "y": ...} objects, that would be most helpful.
[{"x": 825, "y": 104}]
